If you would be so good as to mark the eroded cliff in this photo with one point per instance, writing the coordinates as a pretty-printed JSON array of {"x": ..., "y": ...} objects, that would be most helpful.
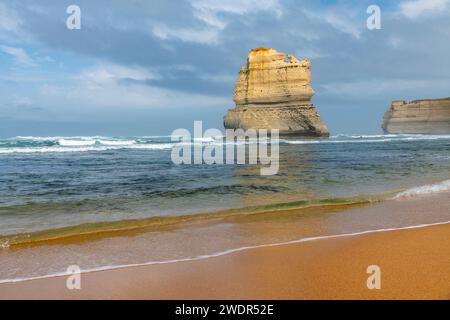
[{"x": 418, "y": 117}]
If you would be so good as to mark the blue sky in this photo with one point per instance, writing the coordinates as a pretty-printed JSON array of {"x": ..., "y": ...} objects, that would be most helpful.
[{"x": 148, "y": 67}]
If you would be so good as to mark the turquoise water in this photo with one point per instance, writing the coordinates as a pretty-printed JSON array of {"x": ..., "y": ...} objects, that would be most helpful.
[{"x": 51, "y": 182}]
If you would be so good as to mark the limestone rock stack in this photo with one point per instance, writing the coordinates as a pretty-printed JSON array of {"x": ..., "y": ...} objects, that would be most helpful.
[
  {"x": 274, "y": 91},
  {"x": 418, "y": 117}
]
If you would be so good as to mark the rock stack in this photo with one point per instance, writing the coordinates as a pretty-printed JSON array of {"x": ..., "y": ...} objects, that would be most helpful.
[{"x": 274, "y": 91}]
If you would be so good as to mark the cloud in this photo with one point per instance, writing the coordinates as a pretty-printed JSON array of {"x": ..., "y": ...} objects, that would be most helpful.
[
  {"x": 9, "y": 22},
  {"x": 186, "y": 34},
  {"x": 212, "y": 14},
  {"x": 20, "y": 56},
  {"x": 23, "y": 102},
  {"x": 107, "y": 73},
  {"x": 374, "y": 89},
  {"x": 341, "y": 20},
  {"x": 415, "y": 8},
  {"x": 112, "y": 86},
  {"x": 209, "y": 11},
  {"x": 311, "y": 53}
]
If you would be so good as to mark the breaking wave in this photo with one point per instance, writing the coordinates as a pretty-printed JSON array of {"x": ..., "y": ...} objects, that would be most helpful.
[
  {"x": 75, "y": 143},
  {"x": 87, "y": 148},
  {"x": 424, "y": 190},
  {"x": 31, "y": 144},
  {"x": 36, "y": 145},
  {"x": 376, "y": 138}
]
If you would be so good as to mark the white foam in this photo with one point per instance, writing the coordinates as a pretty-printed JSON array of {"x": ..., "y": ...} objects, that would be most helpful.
[
  {"x": 398, "y": 136},
  {"x": 366, "y": 136},
  {"x": 56, "y": 138},
  {"x": 153, "y": 146},
  {"x": 117, "y": 142},
  {"x": 76, "y": 143},
  {"x": 376, "y": 138},
  {"x": 332, "y": 141},
  {"x": 225, "y": 252},
  {"x": 89, "y": 148},
  {"x": 424, "y": 190}
]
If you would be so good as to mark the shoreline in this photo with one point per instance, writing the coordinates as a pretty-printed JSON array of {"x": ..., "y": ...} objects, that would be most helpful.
[
  {"x": 331, "y": 229},
  {"x": 227, "y": 252},
  {"x": 304, "y": 270},
  {"x": 113, "y": 228},
  {"x": 102, "y": 229}
]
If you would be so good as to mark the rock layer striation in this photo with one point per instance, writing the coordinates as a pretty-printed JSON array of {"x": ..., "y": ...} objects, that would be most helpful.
[
  {"x": 274, "y": 91},
  {"x": 418, "y": 117}
]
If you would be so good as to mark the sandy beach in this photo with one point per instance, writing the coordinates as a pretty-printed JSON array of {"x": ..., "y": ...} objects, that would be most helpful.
[{"x": 414, "y": 263}]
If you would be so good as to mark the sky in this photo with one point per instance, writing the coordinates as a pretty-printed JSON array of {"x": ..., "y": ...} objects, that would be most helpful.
[{"x": 141, "y": 67}]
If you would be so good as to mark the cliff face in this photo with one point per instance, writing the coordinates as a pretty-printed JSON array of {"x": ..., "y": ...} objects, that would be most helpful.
[
  {"x": 420, "y": 116},
  {"x": 274, "y": 91}
]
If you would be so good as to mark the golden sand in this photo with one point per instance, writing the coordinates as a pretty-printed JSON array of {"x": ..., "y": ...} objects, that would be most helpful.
[{"x": 414, "y": 263}]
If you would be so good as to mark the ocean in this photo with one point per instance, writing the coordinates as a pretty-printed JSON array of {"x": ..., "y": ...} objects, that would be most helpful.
[
  {"x": 54, "y": 182},
  {"x": 52, "y": 186}
]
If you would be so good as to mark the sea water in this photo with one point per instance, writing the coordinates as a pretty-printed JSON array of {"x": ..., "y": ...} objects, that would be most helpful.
[{"x": 53, "y": 182}]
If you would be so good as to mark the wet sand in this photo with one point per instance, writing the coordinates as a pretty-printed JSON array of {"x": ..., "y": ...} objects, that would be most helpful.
[{"x": 415, "y": 264}]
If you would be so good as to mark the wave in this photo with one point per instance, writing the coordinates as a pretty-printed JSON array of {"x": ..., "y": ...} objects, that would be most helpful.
[
  {"x": 56, "y": 144},
  {"x": 424, "y": 190},
  {"x": 76, "y": 143},
  {"x": 377, "y": 138},
  {"x": 55, "y": 138},
  {"x": 226, "y": 252},
  {"x": 399, "y": 136},
  {"x": 117, "y": 142},
  {"x": 81, "y": 148},
  {"x": 91, "y": 142},
  {"x": 331, "y": 141}
]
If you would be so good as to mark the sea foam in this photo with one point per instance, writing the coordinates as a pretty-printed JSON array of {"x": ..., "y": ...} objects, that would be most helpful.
[
  {"x": 426, "y": 189},
  {"x": 85, "y": 148},
  {"x": 76, "y": 143}
]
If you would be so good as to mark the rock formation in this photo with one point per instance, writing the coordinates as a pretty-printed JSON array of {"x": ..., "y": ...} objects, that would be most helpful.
[
  {"x": 274, "y": 91},
  {"x": 419, "y": 116}
]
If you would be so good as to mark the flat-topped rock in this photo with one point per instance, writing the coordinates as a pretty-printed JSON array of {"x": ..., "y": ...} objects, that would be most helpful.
[
  {"x": 274, "y": 91},
  {"x": 430, "y": 116}
]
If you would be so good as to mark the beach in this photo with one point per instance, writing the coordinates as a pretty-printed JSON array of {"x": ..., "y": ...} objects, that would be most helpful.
[
  {"x": 140, "y": 227},
  {"x": 413, "y": 260}
]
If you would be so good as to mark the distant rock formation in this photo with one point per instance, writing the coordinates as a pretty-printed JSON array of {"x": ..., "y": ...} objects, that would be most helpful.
[
  {"x": 274, "y": 92},
  {"x": 420, "y": 116}
]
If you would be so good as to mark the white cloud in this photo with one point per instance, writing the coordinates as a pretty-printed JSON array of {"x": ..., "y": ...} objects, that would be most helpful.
[
  {"x": 23, "y": 102},
  {"x": 381, "y": 87},
  {"x": 206, "y": 36},
  {"x": 105, "y": 74},
  {"x": 117, "y": 96},
  {"x": 208, "y": 11},
  {"x": 101, "y": 87},
  {"x": 219, "y": 78},
  {"x": 211, "y": 14},
  {"x": 415, "y": 8},
  {"x": 19, "y": 55},
  {"x": 344, "y": 22},
  {"x": 394, "y": 41},
  {"x": 9, "y": 22},
  {"x": 310, "y": 54}
]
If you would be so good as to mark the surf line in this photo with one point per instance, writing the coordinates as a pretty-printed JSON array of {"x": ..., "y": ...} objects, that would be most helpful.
[{"x": 224, "y": 253}]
